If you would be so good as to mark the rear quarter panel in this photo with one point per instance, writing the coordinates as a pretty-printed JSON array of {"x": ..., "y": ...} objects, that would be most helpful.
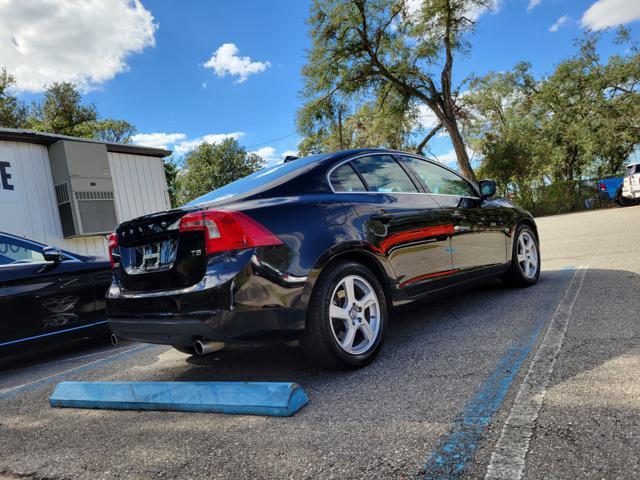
[{"x": 316, "y": 229}]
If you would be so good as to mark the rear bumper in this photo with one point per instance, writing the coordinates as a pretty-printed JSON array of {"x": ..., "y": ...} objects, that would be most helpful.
[
  {"x": 631, "y": 193},
  {"x": 245, "y": 304},
  {"x": 226, "y": 327},
  {"x": 166, "y": 332}
]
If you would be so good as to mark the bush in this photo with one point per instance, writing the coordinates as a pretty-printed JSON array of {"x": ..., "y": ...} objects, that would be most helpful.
[{"x": 561, "y": 196}]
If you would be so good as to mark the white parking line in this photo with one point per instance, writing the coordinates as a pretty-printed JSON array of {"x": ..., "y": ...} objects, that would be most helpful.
[
  {"x": 508, "y": 457},
  {"x": 8, "y": 392}
]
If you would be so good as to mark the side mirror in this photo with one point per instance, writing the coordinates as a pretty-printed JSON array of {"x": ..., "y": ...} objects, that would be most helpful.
[
  {"x": 52, "y": 254},
  {"x": 487, "y": 188}
]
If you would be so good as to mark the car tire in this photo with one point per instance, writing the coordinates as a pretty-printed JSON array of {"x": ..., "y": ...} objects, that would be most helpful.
[
  {"x": 346, "y": 317},
  {"x": 524, "y": 270},
  {"x": 187, "y": 350},
  {"x": 624, "y": 201}
]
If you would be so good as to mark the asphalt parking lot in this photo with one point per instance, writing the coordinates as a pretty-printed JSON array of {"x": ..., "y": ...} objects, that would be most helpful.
[{"x": 535, "y": 383}]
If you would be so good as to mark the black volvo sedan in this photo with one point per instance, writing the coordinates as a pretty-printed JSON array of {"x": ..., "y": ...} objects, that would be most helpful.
[{"x": 320, "y": 249}]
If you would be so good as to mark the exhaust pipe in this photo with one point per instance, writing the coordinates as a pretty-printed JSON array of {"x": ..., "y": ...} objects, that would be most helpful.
[
  {"x": 204, "y": 347},
  {"x": 114, "y": 340}
]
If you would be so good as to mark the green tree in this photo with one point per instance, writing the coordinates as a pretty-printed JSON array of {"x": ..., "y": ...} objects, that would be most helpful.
[
  {"x": 383, "y": 121},
  {"x": 171, "y": 174},
  {"x": 501, "y": 124},
  {"x": 115, "y": 131},
  {"x": 616, "y": 118},
  {"x": 321, "y": 122},
  {"x": 212, "y": 166},
  {"x": 62, "y": 111},
  {"x": 548, "y": 134},
  {"x": 364, "y": 46},
  {"x": 13, "y": 113},
  {"x": 591, "y": 110}
]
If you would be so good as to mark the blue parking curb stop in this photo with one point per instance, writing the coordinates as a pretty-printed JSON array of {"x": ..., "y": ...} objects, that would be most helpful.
[{"x": 279, "y": 399}]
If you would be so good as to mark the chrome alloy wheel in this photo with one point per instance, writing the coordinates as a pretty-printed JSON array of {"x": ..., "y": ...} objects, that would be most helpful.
[
  {"x": 527, "y": 255},
  {"x": 354, "y": 314}
]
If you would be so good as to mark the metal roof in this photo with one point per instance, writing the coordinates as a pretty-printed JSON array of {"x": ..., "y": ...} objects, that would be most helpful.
[{"x": 41, "y": 138}]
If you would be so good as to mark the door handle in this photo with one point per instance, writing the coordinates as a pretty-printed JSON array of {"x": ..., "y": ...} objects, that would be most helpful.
[{"x": 382, "y": 217}]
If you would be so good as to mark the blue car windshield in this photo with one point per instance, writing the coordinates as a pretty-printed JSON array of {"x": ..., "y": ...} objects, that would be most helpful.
[{"x": 255, "y": 181}]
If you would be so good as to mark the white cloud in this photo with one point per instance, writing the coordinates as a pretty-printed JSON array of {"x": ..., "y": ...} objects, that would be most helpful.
[
  {"x": 268, "y": 154},
  {"x": 186, "y": 146},
  {"x": 451, "y": 159},
  {"x": 448, "y": 158},
  {"x": 86, "y": 43},
  {"x": 178, "y": 142},
  {"x": 271, "y": 156},
  {"x": 181, "y": 144},
  {"x": 427, "y": 120},
  {"x": 532, "y": 4},
  {"x": 559, "y": 23},
  {"x": 610, "y": 13},
  {"x": 157, "y": 140},
  {"x": 225, "y": 61}
]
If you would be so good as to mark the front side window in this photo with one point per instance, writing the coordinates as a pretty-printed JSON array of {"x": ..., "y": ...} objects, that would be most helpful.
[
  {"x": 440, "y": 180},
  {"x": 14, "y": 252},
  {"x": 345, "y": 179},
  {"x": 383, "y": 174}
]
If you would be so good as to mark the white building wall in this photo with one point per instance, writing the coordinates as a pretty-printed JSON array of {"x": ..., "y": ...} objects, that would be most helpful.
[
  {"x": 139, "y": 184},
  {"x": 30, "y": 209}
]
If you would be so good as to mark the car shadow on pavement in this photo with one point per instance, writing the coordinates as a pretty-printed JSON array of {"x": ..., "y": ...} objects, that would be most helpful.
[
  {"x": 416, "y": 331},
  {"x": 587, "y": 426},
  {"x": 56, "y": 353}
]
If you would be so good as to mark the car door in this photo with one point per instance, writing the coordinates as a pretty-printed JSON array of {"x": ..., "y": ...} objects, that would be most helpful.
[
  {"x": 37, "y": 297},
  {"x": 479, "y": 238},
  {"x": 404, "y": 223}
]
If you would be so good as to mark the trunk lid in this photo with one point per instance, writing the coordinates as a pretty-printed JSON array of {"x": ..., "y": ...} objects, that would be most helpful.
[{"x": 154, "y": 255}]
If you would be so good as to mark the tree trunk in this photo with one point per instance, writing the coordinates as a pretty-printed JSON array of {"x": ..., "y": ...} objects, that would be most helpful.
[
  {"x": 461, "y": 152},
  {"x": 340, "y": 129},
  {"x": 429, "y": 136}
]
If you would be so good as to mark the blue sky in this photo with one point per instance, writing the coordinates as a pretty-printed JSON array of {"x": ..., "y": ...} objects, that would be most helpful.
[{"x": 155, "y": 64}]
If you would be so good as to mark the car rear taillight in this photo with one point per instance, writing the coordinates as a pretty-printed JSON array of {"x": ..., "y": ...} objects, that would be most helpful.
[
  {"x": 228, "y": 230},
  {"x": 603, "y": 187},
  {"x": 113, "y": 244}
]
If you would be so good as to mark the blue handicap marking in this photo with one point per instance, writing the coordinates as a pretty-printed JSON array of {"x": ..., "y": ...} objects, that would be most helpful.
[{"x": 280, "y": 399}]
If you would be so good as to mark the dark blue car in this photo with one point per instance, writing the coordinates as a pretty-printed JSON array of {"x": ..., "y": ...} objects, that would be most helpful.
[{"x": 48, "y": 295}]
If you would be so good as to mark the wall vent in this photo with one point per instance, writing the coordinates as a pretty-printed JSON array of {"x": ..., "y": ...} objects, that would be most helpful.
[
  {"x": 94, "y": 195},
  {"x": 62, "y": 193}
]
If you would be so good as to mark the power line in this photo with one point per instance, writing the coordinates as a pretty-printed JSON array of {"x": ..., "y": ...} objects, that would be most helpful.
[{"x": 271, "y": 141}]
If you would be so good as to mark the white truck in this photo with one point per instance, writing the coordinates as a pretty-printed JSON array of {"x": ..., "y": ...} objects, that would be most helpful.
[{"x": 631, "y": 182}]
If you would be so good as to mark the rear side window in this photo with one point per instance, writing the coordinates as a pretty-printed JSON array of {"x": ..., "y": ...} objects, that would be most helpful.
[
  {"x": 258, "y": 180},
  {"x": 440, "y": 180},
  {"x": 345, "y": 179},
  {"x": 383, "y": 174}
]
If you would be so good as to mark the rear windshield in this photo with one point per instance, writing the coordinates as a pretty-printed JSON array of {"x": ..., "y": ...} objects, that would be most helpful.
[
  {"x": 256, "y": 181},
  {"x": 632, "y": 169}
]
